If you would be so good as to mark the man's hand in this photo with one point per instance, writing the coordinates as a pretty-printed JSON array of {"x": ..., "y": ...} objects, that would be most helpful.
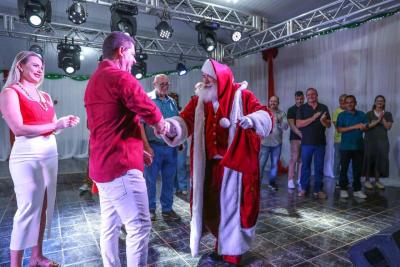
[
  {"x": 316, "y": 115},
  {"x": 161, "y": 127},
  {"x": 246, "y": 123},
  {"x": 148, "y": 158},
  {"x": 323, "y": 117}
]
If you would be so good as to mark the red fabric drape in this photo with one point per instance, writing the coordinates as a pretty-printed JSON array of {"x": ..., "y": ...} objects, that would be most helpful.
[{"x": 269, "y": 55}]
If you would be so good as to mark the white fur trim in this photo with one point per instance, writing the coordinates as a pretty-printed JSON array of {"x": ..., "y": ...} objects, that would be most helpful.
[
  {"x": 262, "y": 122},
  {"x": 224, "y": 122},
  {"x": 199, "y": 168},
  {"x": 181, "y": 131},
  {"x": 208, "y": 68},
  {"x": 232, "y": 239}
]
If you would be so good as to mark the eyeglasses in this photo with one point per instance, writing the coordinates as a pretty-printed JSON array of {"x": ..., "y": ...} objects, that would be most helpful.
[{"x": 163, "y": 84}]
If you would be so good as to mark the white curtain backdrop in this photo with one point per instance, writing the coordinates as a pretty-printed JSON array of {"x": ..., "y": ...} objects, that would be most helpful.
[{"x": 364, "y": 61}]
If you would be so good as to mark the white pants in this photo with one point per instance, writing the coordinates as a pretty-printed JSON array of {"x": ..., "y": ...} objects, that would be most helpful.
[
  {"x": 124, "y": 201},
  {"x": 33, "y": 167}
]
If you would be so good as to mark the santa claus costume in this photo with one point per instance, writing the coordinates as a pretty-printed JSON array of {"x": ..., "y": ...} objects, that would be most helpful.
[{"x": 226, "y": 133}]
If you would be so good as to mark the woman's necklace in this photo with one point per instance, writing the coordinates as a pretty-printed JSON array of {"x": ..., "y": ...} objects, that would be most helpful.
[{"x": 41, "y": 102}]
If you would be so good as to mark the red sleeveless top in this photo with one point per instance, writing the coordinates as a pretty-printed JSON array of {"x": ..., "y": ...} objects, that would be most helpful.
[{"x": 32, "y": 111}]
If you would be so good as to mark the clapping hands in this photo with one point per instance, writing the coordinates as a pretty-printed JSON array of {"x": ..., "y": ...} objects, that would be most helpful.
[{"x": 67, "y": 122}]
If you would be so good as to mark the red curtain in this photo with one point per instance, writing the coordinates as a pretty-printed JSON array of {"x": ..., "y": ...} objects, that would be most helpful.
[{"x": 269, "y": 55}]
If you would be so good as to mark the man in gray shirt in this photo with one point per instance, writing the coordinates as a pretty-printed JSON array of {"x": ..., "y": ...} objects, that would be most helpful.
[{"x": 272, "y": 144}]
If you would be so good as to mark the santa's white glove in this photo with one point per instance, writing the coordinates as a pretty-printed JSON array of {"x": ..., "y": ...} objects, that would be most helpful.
[{"x": 246, "y": 123}]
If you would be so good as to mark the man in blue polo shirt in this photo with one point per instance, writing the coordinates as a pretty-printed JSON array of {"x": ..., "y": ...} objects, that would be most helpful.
[
  {"x": 164, "y": 157},
  {"x": 351, "y": 123}
]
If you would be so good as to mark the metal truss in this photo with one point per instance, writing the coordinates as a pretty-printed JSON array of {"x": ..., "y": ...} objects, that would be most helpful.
[
  {"x": 333, "y": 15},
  {"x": 194, "y": 11},
  {"x": 13, "y": 26}
]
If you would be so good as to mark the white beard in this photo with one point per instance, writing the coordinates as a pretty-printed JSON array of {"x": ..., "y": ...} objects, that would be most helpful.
[{"x": 207, "y": 94}]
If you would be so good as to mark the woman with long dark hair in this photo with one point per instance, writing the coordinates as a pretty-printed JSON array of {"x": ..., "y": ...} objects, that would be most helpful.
[
  {"x": 29, "y": 113},
  {"x": 376, "y": 153}
]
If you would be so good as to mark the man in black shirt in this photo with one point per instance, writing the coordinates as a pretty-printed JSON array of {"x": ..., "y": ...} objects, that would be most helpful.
[
  {"x": 295, "y": 140},
  {"x": 312, "y": 119}
]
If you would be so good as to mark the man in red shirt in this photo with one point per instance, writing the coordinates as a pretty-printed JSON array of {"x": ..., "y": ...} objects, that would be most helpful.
[{"x": 115, "y": 102}]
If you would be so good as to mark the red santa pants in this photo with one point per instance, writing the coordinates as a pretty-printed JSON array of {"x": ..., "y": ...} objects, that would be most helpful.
[{"x": 211, "y": 206}]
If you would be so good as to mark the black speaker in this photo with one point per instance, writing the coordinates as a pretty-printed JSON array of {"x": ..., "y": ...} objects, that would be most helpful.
[{"x": 380, "y": 250}]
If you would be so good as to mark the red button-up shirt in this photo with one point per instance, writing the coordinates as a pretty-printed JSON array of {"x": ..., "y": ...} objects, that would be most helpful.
[{"x": 115, "y": 101}]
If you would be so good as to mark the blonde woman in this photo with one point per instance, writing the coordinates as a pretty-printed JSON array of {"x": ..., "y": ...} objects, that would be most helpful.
[{"x": 30, "y": 115}]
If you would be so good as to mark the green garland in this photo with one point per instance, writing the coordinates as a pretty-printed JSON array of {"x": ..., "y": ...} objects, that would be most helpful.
[
  {"x": 348, "y": 26},
  {"x": 56, "y": 76}
]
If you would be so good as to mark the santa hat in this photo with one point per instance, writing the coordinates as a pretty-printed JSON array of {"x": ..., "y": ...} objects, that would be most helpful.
[{"x": 209, "y": 69}]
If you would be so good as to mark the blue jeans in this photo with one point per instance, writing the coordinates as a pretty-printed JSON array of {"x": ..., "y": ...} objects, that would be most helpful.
[
  {"x": 336, "y": 165},
  {"x": 275, "y": 152},
  {"x": 182, "y": 171},
  {"x": 307, "y": 154},
  {"x": 164, "y": 163}
]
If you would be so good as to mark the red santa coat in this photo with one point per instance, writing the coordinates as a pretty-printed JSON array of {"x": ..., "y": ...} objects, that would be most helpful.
[{"x": 239, "y": 194}]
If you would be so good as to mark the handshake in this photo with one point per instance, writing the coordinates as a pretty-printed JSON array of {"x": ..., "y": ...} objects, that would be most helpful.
[{"x": 164, "y": 128}]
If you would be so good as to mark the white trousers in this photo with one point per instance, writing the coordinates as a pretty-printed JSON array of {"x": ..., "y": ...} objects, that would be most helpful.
[
  {"x": 124, "y": 201},
  {"x": 33, "y": 167}
]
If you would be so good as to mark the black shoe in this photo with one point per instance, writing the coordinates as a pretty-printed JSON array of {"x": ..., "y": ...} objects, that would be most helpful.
[
  {"x": 153, "y": 216},
  {"x": 170, "y": 216},
  {"x": 228, "y": 264},
  {"x": 213, "y": 257},
  {"x": 272, "y": 186},
  {"x": 122, "y": 233}
]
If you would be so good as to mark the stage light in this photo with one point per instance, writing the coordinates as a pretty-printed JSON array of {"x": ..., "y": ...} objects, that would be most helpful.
[
  {"x": 164, "y": 30},
  {"x": 37, "y": 49},
  {"x": 69, "y": 56},
  {"x": 36, "y": 12},
  {"x": 139, "y": 69},
  {"x": 122, "y": 17},
  {"x": 207, "y": 38},
  {"x": 180, "y": 67},
  {"x": 236, "y": 36},
  {"x": 76, "y": 13}
]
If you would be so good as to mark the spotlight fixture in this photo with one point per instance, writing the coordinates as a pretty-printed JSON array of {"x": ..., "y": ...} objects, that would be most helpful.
[
  {"x": 164, "y": 30},
  {"x": 36, "y": 12},
  {"x": 140, "y": 68},
  {"x": 180, "y": 67},
  {"x": 37, "y": 49},
  {"x": 236, "y": 36},
  {"x": 76, "y": 13},
  {"x": 69, "y": 56},
  {"x": 207, "y": 38},
  {"x": 122, "y": 17}
]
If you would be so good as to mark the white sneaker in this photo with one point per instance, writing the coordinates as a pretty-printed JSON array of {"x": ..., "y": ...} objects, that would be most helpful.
[
  {"x": 344, "y": 194},
  {"x": 368, "y": 185},
  {"x": 359, "y": 194},
  {"x": 290, "y": 184},
  {"x": 379, "y": 185},
  {"x": 84, "y": 187}
]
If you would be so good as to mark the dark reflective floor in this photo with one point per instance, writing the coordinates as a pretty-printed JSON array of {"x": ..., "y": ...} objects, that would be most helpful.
[{"x": 290, "y": 231}]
